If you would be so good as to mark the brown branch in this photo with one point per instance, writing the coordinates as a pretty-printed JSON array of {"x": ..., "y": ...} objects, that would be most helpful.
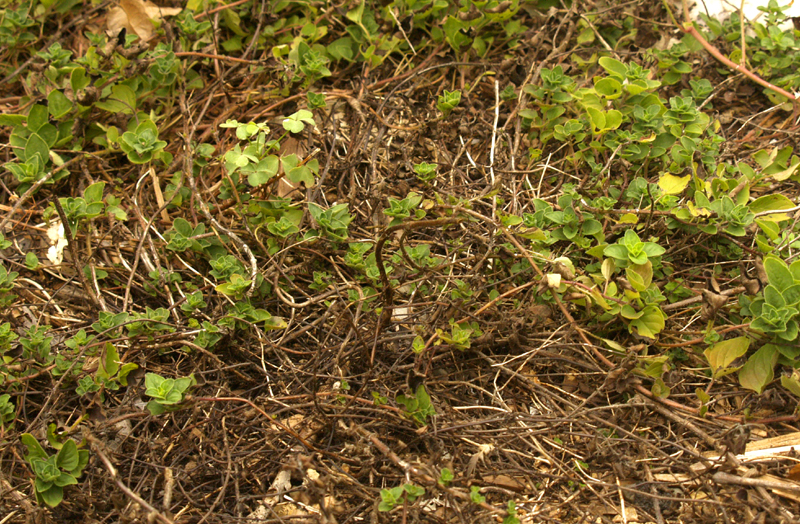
[
  {"x": 688, "y": 28},
  {"x": 96, "y": 446},
  {"x": 73, "y": 249},
  {"x": 388, "y": 291},
  {"x": 721, "y": 477}
]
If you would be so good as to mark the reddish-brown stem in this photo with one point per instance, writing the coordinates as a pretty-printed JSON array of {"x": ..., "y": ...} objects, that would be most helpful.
[
  {"x": 738, "y": 67},
  {"x": 688, "y": 28}
]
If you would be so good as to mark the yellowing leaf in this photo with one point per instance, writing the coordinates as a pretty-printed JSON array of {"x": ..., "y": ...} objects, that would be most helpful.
[
  {"x": 650, "y": 323},
  {"x": 635, "y": 280},
  {"x": 789, "y": 171},
  {"x": 599, "y": 300},
  {"x": 773, "y": 202},
  {"x": 673, "y": 185},
  {"x": 758, "y": 371},
  {"x": 613, "y": 119},
  {"x": 607, "y": 268},
  {"x": 792, "y": 384},
  {"x": 721, "y": 354},
  {"x": 640, "y": 275},
  {"x": 697, "y": 211},
  {"x": 613, "y": 345},
  {"x": 597, "y": 117}
]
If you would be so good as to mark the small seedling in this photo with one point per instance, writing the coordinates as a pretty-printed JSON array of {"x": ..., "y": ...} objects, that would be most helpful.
[
  {"x": 142, "y": 144},
  {"x": 167, "y": 393},
  {"x": 392, "y": 497},
  {"x": 445, "y": 476},
  {"x": 475, "y": 495},
  {"x": 54, "y": 472},
  {"x": 425, "y": 172},
  {"x": 418, "y": 406},
  {"x": 630, "y": 249},
  {"x": 448, "y": 101}
]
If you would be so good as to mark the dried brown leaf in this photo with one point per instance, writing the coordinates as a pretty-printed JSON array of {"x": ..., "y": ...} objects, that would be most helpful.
[
  {"x": 137, "y": 17},
  {"x": 712, "y": 302},
  {"x": 761, "y": 273}
]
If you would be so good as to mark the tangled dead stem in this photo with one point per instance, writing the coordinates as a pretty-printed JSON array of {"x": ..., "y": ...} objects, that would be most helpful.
[{"x": 529, "y": 412}]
